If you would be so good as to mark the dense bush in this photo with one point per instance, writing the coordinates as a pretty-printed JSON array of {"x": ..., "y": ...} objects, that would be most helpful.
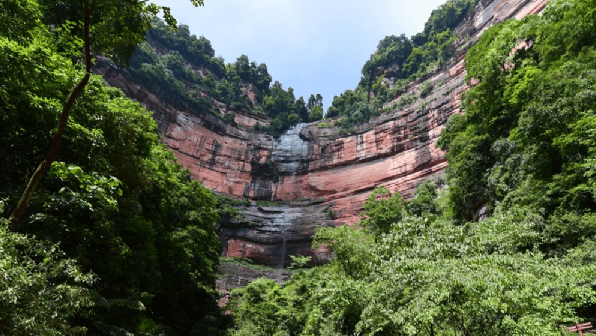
[
  {"x": 526, "y": 135},
  {"x": 197, "y": 51},
  {"x": 41, "y": 290},
  {"x": 116, "y": 239},
  {"x": 408, "y": 274}
]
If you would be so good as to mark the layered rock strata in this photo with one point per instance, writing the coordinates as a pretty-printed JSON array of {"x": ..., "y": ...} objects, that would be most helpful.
[
  {"x": 311, "y": 161},
  {"x": 270, "y": 234}
]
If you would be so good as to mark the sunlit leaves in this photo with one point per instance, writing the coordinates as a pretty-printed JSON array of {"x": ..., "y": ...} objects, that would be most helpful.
[
  {"x": 427, "y": 275},
  {"x": 516, "y": 144},
  {"x": 40, "y": 289},
  {"x": 116, "y": 201}
]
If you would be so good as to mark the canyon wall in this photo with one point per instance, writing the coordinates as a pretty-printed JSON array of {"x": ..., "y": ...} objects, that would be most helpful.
[{"x": 327, "y": 175}]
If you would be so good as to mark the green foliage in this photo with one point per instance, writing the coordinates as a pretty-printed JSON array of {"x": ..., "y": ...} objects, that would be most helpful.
[
  {"x": 351, "y": 246},
  {"x": 351, "y": 107},
  {"x": 330, "y": 213},
  {"x": 94, "y": 200},
  {"x": 410, "y": 59},
  {"x": 391, "y": 50},
  {"x": 40, "y": 289},
  {"x": 230, "y": 119},
  {"x": 299, "y": 261},
  {"x": 197, "y": 51},
  {"x": 302, "y": 109},
  {"x": 447, "y": 16},
  {"x": 426, "y": 88},
  {"x": 250, "y": 72},
  {"x": 263, "y": 169},
  {"x": 173, "y": 81},
  {"x": 228, "y": 208},
  {"x": 244, "y": 262},
  {"x": 279, "y": 105},
  {"x": 116, "y": 202},
  {"x": 525, "y": 146},
  {"x": 417, "y": 56},
  {"x": 519, "y": 142},
  {"x": 424, "y": 274},
  {"x": 316, "y": 113},
  {"x": 314, "y": 101},
  {"x": 324, "y": 125},
  {"x": 115, "y": 27},
  {"x": 424, "y": 201},
  {"x": 381, "y": 210},
  {"x": 19, "y": 18},
  {"x": 175, "y": 77}
]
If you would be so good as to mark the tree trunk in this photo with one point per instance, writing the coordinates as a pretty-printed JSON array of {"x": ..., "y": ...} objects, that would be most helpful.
[{"x": 44, "y": 166}]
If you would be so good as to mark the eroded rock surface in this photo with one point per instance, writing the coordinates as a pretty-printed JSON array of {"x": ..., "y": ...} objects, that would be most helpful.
[
  {"x": 397, "y": 149},
  {"x": 270, "y": 234}
]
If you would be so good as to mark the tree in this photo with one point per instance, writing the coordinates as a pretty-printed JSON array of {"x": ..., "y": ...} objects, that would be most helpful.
[
  {"x": 314, "y": 101},
  {"x": 517, "y": 142},
  {"x": 391, "y": 50},
  {"x": 315, "y": 107},
  {"x": 102, "y": 33},
  {"x": 426, "y": 275},
  {"x": 264, "y": 79},
  {"x": 116, "y": 200},
  {"x": 316, "y": 113},
  {"x": 41, "y": 291},
  {"x": 243, "y": 68},
  {"x": 382, "y": 209},
  {"x": 424, "y": 201},
  {"x": 302, "y": 109},
  {"x": 115, "y": 207}
]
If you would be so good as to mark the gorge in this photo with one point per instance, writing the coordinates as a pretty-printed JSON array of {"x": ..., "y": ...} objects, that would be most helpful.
[
  {"x": 177, "y": 194},
  {"x": 316, "y": 174}
]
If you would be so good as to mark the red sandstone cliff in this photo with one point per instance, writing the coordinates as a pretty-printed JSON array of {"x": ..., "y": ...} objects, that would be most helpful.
[{"x": 396, "y": 149}]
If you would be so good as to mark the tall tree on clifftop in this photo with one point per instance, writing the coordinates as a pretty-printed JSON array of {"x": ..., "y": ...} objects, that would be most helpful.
[{"x": 109, "y": 27}]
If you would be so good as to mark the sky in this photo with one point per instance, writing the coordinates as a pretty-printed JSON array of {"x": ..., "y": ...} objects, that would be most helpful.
[{"x": 313, "y": 46}]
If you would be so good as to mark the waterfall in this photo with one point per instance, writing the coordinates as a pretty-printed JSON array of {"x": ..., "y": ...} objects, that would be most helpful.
[
  {"x": 283, "y": 247},
  {"x": 289, "y": 150},
  {"x": 288, "y": 153}
]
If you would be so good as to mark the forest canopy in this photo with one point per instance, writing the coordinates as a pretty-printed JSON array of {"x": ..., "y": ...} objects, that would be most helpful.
[{"x": 182, "y": 69}]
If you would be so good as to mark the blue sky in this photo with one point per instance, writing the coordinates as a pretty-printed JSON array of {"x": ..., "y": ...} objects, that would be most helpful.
[{"x": 314, "y": 46}]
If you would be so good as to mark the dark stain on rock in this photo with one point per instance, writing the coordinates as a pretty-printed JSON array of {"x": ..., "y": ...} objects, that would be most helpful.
[{"x": 214, "y": 153}]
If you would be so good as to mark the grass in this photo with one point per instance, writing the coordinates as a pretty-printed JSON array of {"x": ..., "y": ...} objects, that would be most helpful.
[{"x": 324, "y": 125}]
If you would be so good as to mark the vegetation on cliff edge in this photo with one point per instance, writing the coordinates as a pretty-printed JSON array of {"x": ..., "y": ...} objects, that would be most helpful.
[
  {"x": 410, "y": 59},
  {"x": 182, "y": 69}
]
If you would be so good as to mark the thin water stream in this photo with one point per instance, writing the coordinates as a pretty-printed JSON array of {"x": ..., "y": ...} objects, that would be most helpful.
[{"x": 289, "y": 150}]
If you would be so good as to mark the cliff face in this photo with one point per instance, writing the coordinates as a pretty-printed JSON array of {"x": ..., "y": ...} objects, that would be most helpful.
[{"x": 314, "y": 162}]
